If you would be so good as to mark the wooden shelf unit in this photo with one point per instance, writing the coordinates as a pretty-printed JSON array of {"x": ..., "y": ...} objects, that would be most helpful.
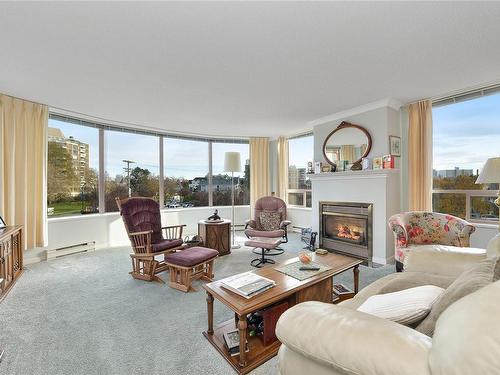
[
  {"x": 11, "y": 257},
  {"x": 258, "y": 352}
]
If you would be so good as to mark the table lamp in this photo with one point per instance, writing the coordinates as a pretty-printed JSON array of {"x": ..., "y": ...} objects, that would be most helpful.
[
  {"x": 491, "y": 175},
  {"x": 232, "y": 163}
]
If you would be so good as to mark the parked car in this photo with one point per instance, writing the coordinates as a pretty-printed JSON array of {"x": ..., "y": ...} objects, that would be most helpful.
[
  {"x": 187, "y": 204},
  {"x": 172, "y": 205}
]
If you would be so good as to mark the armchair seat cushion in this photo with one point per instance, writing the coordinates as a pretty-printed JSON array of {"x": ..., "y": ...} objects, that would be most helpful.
[
  {"x": 191, "y": 257},
  {"x": 261, "y": 233},
  {"x": 165, "y": 245}
]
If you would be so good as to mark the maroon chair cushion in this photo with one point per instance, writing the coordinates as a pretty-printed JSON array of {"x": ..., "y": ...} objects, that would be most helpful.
[
  {"x": 165, "y": 245},
  {"x": 141, "y": 214},
  {"x": 191, "y": 257}
]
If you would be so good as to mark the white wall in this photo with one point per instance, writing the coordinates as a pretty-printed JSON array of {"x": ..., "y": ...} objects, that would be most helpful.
[
  {"x": 379, "y": 122},
  {"x": 301, "y": 217},
  {"x": 107, "y": 230}
]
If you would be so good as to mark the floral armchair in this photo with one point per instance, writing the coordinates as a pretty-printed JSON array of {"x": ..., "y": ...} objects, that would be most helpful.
[{"x": 425, "y": 228}]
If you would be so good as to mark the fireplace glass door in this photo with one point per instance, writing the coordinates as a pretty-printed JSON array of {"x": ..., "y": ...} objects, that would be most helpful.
[{"x": 346, "y": 228}]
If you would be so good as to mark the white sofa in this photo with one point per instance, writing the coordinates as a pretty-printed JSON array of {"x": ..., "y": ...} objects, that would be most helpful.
[{"x": 320, "y": 339}]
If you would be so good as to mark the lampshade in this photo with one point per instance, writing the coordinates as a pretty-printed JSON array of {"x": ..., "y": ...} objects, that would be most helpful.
[
  {"x": 232, "y": 162},
  {"x": 490, "y": 173}
]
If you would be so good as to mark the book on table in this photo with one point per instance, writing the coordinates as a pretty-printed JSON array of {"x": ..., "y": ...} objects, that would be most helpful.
[
  {"x": 247, "y": 284},
  {"x": 232, "y": 341}
]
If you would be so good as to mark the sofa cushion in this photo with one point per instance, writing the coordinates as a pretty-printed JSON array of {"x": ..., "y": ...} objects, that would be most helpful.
[
  {"x": 407, "y": 280},
  {"x": 406, "y": 307},
  {"x": 352, "y": 342},
  {"x": 467, "y": 336},
  {"x": 477, "y": 276},
  {"x": 442, "y": 259}
]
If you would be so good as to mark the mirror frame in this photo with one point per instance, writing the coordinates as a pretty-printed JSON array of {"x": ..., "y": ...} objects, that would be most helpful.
[{"x": 344, "y": 125}]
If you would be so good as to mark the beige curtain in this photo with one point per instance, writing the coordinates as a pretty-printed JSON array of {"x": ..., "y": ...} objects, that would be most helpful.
[
  {"x": 23, "y": 160},
  {"x": 259, "y": 169},
  {"x": 420, "y": 156},
  {"x": 282, "y": 168}
]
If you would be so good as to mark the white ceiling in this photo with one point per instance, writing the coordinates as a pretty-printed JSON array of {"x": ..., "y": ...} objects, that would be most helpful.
[{"x": 242, "y": 68}]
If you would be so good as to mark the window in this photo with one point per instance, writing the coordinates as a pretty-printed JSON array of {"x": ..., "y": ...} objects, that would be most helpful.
[
  {"x": 72, "y": 169},
  {"x": 222, "y": 180},
  {"x": 465, "y": 135},
  {"x": 132, "y": 166},
  {"x": 185, "y": 173},
  {"x": 300, "y": 153}
]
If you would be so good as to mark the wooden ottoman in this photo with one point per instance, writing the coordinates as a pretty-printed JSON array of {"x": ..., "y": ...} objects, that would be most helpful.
[{"x": 190, "y": 264}]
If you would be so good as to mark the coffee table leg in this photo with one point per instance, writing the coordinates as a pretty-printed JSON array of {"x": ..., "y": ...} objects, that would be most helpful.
[
  {"x": 242, "y": 326},
  {"x": 356, "y": 279},
  {"x": 210, "y": 311}
]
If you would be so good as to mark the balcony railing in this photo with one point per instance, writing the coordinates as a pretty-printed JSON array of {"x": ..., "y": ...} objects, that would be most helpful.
[{"x": 471, "y": 205}]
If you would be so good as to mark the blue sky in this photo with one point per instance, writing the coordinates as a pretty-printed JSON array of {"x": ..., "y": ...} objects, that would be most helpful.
[{"x": 466, "y": 133}]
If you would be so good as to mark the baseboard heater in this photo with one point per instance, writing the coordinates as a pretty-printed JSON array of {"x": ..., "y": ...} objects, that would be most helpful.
[{"x": 70, "y": 250}]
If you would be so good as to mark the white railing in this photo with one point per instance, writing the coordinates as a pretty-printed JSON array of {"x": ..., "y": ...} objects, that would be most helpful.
[{"x": 469, "y": 194}]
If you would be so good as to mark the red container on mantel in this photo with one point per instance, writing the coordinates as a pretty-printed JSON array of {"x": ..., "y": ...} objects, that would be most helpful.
[{"x": 388, "y": 162}]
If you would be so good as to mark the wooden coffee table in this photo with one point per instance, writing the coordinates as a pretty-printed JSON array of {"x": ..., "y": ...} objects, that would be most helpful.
[{"x": 287, "y": 289}]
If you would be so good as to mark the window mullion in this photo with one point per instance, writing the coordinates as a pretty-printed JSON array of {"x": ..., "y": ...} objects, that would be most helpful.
[
  {"x": 102, "y": 173},
  {"x": 210, "y": 171},
  {"x": 161, "y": 198}
]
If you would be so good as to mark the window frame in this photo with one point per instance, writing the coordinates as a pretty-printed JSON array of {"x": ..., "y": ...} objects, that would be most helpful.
[
  {"x": 103, "y": 127},
  {"x": 469, "y": 193},
  {"x": 298, "y": 191}
]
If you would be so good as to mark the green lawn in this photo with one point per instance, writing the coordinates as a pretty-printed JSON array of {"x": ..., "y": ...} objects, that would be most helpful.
[{"x": 65, "y": 208}]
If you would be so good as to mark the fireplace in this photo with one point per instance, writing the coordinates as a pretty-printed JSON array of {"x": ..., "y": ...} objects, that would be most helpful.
[{"x": 346, "y": 228}]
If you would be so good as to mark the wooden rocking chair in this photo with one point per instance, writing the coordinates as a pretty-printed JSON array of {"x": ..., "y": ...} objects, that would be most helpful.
[{"x": 148, "y": 238}]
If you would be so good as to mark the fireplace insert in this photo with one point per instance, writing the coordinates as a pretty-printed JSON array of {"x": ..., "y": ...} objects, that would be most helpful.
[{"x": 346, "y": 228}]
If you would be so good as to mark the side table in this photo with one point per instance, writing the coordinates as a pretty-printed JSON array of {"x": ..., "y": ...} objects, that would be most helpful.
[{"x": 216, "y": 235}]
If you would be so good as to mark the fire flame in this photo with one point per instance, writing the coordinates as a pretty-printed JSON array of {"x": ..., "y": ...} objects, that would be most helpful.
[{"x": 344, "y": 231}]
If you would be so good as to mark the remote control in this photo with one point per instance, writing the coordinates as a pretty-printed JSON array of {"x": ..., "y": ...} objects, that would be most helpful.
[{"x": 306, "y": 268}]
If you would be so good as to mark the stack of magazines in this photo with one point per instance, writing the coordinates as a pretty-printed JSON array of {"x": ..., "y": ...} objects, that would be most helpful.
[{"x": 247, "y": 284}]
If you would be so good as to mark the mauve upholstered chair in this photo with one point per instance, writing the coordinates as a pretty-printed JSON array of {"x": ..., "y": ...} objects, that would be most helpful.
[
  {"x": 148, "y": 238},
  {"x": 269, "y": 220}
]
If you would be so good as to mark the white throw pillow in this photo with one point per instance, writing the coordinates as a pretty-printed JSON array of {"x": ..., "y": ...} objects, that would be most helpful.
[{"x": 405, "y": 307}]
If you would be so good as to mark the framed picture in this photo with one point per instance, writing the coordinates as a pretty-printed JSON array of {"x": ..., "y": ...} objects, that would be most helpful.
[
  {"x": 2, "y": 223},
  {"x": 378, "y": 163},
  {"x": 394, "y": 145}
]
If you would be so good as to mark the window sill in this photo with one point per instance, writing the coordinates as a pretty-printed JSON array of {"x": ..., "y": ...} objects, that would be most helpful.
[
  {"x": 111, "y": 214},
  {"x": 291, "y": 206}
]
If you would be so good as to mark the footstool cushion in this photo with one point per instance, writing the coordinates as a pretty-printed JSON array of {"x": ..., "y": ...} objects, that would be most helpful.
[
  {"x": 191, "y": 257},
  {"x": 263, "y": 242}
]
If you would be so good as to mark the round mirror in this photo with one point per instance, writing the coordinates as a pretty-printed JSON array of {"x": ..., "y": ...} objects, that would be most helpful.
[{"x": 347, "y": 144}]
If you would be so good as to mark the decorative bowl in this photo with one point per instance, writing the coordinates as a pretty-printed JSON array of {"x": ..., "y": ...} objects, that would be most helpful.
[{"x": 305, "y": 257}]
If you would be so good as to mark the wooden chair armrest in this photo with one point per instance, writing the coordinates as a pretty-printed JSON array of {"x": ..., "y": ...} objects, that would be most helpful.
[
  {"x": 140, "y": 233},
  {"x": 141, "y": 241},
  {"x": 173, "y": 226},
  {"x": 173, "y": 231}
]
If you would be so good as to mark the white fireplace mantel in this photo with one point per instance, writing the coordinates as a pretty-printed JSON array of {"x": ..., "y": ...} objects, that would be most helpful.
[
  {"x": 379, "y": 187},
  {"x": 354, "y": 175}
]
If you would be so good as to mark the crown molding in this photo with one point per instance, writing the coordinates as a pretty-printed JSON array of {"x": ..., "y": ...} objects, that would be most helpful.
[{"x": 388, "y": 102}]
